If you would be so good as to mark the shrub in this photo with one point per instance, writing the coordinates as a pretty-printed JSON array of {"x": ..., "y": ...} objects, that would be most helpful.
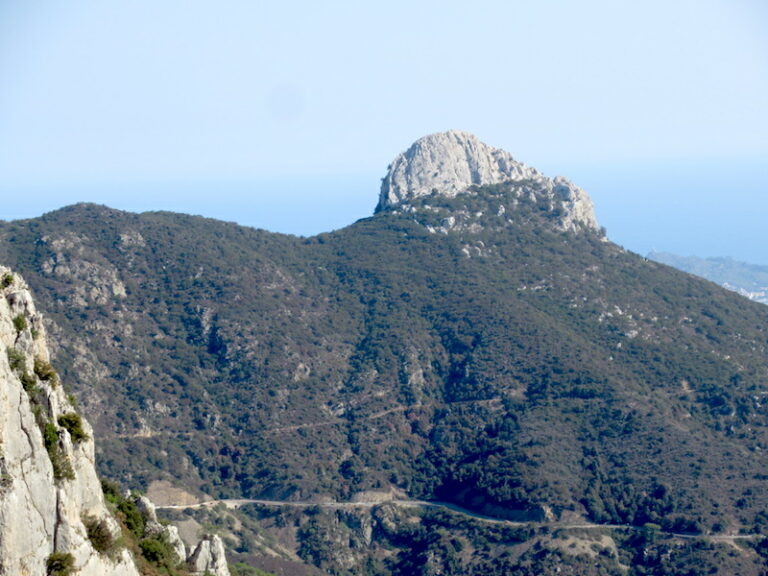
[
  {"x": 60, "y": 564},
  {"x": 50, "y": 436},
  {"x": 6, "y": 281},
  {"x": 157, "y": 551},
  {"x": 62, "y": 469},
  {"x": 132, "y": 517},
  {"x": 28, "y": 381},
  {"x": 15, "y": 359},
  {"x": 74, "y": 425},
  {"x": 99, "y": 534},
  {"x": 111, "y": 491},
  {"x": 45, "y": 371},
  {"x": 20, "y": 323}
]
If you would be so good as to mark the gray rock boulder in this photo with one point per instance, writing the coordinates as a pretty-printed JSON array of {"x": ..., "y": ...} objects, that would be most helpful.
[{"x": 208, "y": 557}]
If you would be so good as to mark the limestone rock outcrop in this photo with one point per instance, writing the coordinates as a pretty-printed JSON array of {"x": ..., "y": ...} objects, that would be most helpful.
[
  {"x": 208, "y": 558},
  {"x": 50, "y": 494},
  {"x": 453, "y": 162},
  {"x": 153, "y": 527}
]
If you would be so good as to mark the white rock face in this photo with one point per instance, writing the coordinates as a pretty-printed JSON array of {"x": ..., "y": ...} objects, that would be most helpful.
[
  {"x": 174, "y": 539},
  {"x": 208, "y": 557},
  {"x": 154, "y": 528},
  {"x": 39, "y": 514},
  {"x": 451, "y": 162}
]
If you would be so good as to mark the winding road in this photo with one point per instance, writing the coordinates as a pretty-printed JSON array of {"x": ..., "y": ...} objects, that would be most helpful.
[{"x": 407, "y": 503}]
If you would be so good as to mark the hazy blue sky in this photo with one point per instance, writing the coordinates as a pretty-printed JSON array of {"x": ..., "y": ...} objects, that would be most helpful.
[{"x": 284, "y": 115}]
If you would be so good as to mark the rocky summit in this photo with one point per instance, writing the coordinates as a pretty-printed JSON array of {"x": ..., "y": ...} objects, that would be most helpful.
[{"x": 453, "y": 162}]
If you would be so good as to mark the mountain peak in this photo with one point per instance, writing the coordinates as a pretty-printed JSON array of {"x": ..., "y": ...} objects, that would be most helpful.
[{"x": 449, "y": 163}]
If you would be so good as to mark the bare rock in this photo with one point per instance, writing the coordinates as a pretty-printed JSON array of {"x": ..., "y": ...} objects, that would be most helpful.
[
  {"x": 208, "y": 557},
  {"x": 174, "y": 539},
  {"x": 450, "y": 163}
]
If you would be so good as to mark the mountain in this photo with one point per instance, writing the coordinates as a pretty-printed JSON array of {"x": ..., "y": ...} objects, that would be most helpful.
[
  {"x": 750, "y": 280},
  {"x": 477, "y": 342}
]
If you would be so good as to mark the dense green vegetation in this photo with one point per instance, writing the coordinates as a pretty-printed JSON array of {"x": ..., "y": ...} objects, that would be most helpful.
[
  {"x": 503, "y": 365},
  {"x": 60, "y": 564}
]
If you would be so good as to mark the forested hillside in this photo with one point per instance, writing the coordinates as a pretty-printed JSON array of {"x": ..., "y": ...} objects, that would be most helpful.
[{"x": 456, "y": 351}]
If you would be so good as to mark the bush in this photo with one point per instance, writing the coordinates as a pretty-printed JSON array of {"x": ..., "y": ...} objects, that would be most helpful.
[
  {"x": 74, "y": 425},
  {"x": 60, "y": 564},
  {"x": 158, "y": 551},
  {"x": 111, "y": 491},
  {"x": 20, "y": 323},
  {"x": 62, "y": 469},
  {"x": 15, "y": 359},
  {"x": 50, "y": 436},
  {"x": 45, "y": 371},
  {"x": 99, "y": 534},
  {"x": 6, "y": 281},
  {"x": 28, "y": 381},
  {"x": 131, "y": 517}
]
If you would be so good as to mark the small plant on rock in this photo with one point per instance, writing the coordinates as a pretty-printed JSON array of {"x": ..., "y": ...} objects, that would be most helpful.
[
  {"x": 15, "y": 359},
  {"x": 62, "y": 468},
  {"x": 73, "y": 423},
  {"x": 60, "y": 564},
  {"x": 99, "y": 534},
  {"x": 29, "y": 382},
  {"x": 20, "y": 323},
  {"x": 45, "y": 372}
]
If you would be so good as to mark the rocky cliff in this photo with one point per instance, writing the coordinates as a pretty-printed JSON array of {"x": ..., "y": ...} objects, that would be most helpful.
[
  {"x": 451, "y": 163},
  {"x": 51, "y": 502}
]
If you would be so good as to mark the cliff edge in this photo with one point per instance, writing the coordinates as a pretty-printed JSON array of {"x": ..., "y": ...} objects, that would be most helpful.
[{"x": 51, "y": 501}]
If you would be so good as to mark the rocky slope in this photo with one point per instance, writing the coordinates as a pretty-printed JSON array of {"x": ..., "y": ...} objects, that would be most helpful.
[
  {"x": 451, "y": 163},
  {"x": 50, "y": 495}
]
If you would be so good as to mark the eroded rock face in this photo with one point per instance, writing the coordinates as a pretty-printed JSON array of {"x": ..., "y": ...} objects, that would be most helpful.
[
  {"x": 450, "y": 163},
  {"x": 208, "y": 558},
  {"x": 49, "y": 488},
  {"x": 152, "y": 527}
]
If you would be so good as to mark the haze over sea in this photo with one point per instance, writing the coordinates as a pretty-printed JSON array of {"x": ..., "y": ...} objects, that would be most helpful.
[{"x": 283, "y": 117}]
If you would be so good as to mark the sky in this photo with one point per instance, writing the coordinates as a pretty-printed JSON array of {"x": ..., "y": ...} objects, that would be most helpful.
[{"x": 285, "y": 115}]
